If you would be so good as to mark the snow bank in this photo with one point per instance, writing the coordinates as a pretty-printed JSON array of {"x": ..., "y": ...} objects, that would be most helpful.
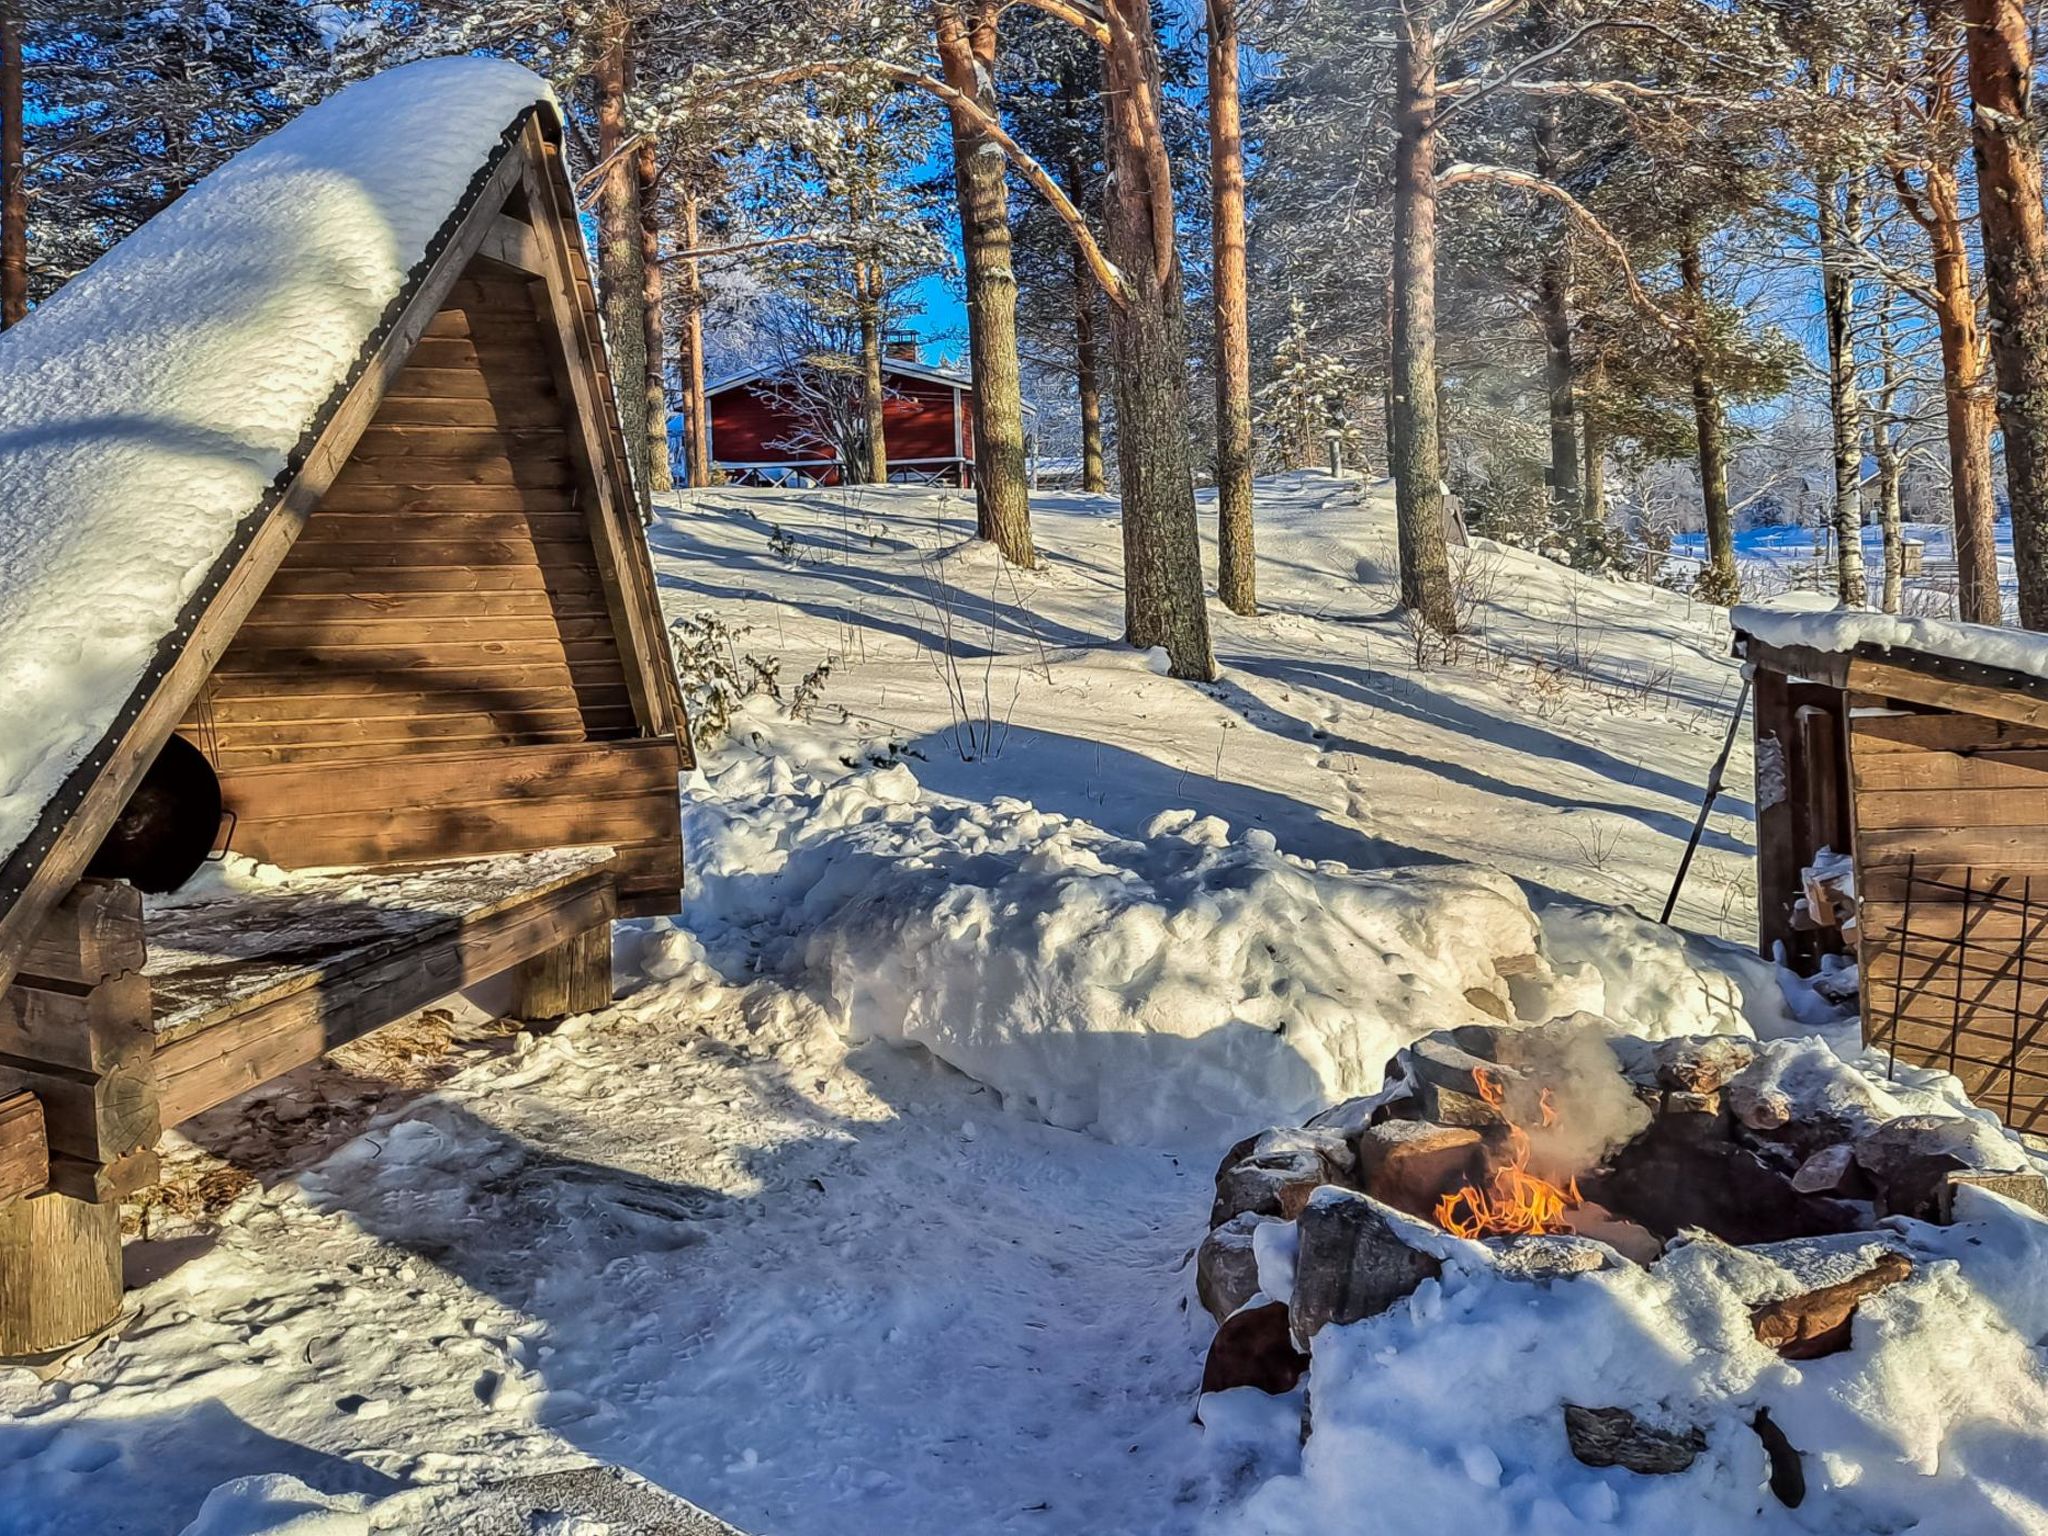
[
  {"x": 147, "y": 408},
  {"x": 1654, "y": 981},
  {"x": 1455, "y": 1397},
  {"x": 1173, "y": 991},
  {"x": 1810, "y": 619}
]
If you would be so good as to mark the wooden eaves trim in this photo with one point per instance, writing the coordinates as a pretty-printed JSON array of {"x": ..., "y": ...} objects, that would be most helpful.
[
  {"x": 574, "y": 345},
  {"x": 72, "y": 826},
  {"x": 1915, "y": 677}
]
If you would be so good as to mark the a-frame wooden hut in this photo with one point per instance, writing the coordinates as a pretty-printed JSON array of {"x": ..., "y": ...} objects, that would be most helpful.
[{"x": 312, "y": 490}]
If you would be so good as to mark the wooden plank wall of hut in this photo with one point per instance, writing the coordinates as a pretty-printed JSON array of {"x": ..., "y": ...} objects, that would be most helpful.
[
  {"x": 1952, "y": 852},
  {"x": 444, "y": 605}
]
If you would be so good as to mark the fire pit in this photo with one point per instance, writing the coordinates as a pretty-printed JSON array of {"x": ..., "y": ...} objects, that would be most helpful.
[{"x": 1555, "y": 1151}]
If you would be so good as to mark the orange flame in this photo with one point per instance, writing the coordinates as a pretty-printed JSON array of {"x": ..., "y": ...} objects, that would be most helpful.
[{"x": 1516, "y": 1201}]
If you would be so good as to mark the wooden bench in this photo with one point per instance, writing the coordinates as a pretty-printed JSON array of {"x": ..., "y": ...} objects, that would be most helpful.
[{"x": 104, "y": 1044}]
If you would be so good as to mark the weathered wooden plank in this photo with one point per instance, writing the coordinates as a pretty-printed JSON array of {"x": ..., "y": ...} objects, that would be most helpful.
[
  {"x": 351, "y": 526},
  {"x": 284, "y": 629},
  {"x": 573, "y": 774},
  {"x": 489, "y": 653},
  {"x": 460, "y": 831},
  {"x": 414, "y": 608},
  {"x": 1953, "y": 809},
  {"x": 467, "y": 384},
  {"x": 1897, "y": 682},
  {"x": 469, "y": 411},
  {"x": 519, "y": 350},
  {"x": 1991, "y": 848},
  {"x": 210, "y": 1066},
  {"x": 366, "y": 562},
  {"x": 364, "y": 701},
  {"x": 399, "y": 580},
  {"x": 93, "y": 933},
  {"x": 512, "y": 243},
  {"x": 24, "y": 1150},
  {"x": 1939, "y": 916},
  {"x": 100, "y": 1118},
  {"x": 424, "y": 472},
  {"x": 1909, "y": 772},
  {"x": 1942, "y": 733},
  {"x": 243, "y": 759},
  {"x": 403, "y": 500},
  {"x": 1936, "y": 882}
]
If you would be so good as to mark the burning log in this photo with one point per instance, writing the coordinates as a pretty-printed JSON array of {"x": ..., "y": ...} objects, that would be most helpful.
[
  {"x": 1515, "y": 1201},
  {"x": 1815, "y": 1324}
]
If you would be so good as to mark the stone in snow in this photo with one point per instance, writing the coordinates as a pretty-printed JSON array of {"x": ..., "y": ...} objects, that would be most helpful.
[
  {"x": 1352, "y": 1262},
  {"x": 1226, "y": 1269}
]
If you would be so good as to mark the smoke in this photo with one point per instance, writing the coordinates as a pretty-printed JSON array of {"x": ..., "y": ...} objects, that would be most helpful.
[{"x": 1596, "y": 1106}]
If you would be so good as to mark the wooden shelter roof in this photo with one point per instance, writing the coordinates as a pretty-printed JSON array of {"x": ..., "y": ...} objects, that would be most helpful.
[{"x": 427, "y": 168}]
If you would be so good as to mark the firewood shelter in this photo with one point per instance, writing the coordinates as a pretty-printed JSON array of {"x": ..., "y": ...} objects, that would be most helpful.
[
  {"x": 369, "y": 602},
  {"x": 1902, "y": 823}
]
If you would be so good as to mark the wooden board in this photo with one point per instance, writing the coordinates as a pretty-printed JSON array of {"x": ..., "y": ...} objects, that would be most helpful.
[
  {"x": 256, "y": 986},
  {"x": 620, "y": 794}
]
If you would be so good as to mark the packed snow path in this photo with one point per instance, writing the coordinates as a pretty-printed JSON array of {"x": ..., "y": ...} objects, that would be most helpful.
[{"x": 690, "y": 1237}]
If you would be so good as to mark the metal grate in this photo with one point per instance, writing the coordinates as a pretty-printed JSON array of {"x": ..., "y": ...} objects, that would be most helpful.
[{"x": 1973, "y": 1001}]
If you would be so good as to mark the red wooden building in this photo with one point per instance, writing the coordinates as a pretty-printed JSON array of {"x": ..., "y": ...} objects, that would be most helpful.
[{"x": 759, "y": 435}]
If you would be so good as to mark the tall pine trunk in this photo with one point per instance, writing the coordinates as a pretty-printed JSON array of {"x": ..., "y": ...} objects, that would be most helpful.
[
  {"x": 619, "y": 279},
  {"x": 13, "y": 178},
  {"x": 1966, "y": 409},
  {"x": 2015, "y": 237},
  {"x": 1838, "y": 225},
  {"x": 1236, "y": 566},
  {"x": 1417, "y": 456},
  {"x": 1884, "y": 451},
  {"x": 696, "y": 404},
  {"x": 1002, "y": 491},
  {"x": 1553, "y": 318},
  {"x": 1163, "y": 595},
  {"x": 874, "y": 394},
  {"x": 1718, "y": 581},
  {"x": 647, "y": 170},
  {"x": 1593, "y": 480},
  {"x": 1088, "y": 376}
]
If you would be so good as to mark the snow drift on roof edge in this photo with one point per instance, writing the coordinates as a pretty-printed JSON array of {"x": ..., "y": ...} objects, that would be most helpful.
[
  {"x": 1814, "y": 620},
  {"x": 148, "y": 406}
]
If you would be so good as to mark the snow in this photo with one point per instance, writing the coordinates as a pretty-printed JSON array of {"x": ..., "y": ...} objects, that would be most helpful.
[
  {"x": 1453, "y": 1397},
  {"x": 1811, "y": 620},
  {"x": 870, "y": 1204},
  {"x": 148, "y": 407}
]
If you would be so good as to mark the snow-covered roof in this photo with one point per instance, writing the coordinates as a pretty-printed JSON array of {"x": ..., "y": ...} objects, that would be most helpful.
[
  {"x": 954, "y": 378},
  {"x": 152, "y": 409},
  {"x": 1815, "y": 622}
]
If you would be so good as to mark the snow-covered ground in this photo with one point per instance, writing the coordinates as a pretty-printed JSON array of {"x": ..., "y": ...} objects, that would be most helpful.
[{"x": 869, "y": 1206}]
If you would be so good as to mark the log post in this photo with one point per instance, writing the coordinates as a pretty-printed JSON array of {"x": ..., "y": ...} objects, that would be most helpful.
[
  {"x": 60, "y": 1273},
  {"x": 573, "y": 977},
  {"x": 75, "y": 1033}
]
